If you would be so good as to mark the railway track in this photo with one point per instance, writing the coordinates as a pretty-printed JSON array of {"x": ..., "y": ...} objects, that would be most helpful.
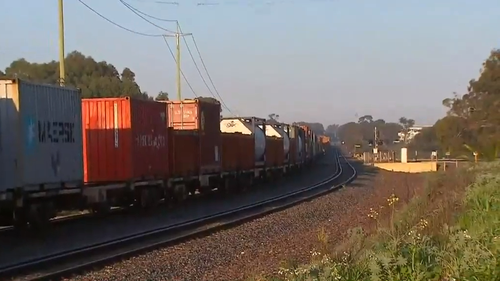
[{"x": 65, "y": 263}]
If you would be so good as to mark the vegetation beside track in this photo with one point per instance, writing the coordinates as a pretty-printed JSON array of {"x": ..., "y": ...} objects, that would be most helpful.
[{"x": 450, "y": 232}]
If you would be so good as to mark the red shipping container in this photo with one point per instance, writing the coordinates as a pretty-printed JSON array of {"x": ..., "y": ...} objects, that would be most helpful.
[
  {"x": 203, "y": 115},
  {"x": 124, "y": 139},
  {"x": 184, "y": 157},
  {"x": 275, "y": 154},
  {"x": 237, "y": 152}
]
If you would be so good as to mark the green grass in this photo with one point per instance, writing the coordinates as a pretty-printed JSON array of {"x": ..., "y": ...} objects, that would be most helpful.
[{"x": 451, "y": 232}]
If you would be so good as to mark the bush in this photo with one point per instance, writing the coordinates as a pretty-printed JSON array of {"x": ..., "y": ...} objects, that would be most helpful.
[{"x": 451, "y": 232}]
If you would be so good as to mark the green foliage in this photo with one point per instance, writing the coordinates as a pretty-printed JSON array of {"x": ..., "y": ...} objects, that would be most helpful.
[
  {"x": 412, "y": 249},
  {"x": 473, "y": 118},
  {"x": 95, "y": 79},
  {"x": 162, "y": 96},
  {"x": 363, "y": 133}
]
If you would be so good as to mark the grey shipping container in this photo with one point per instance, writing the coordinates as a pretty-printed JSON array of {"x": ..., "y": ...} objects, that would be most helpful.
[{"x": 41, "y": 136}]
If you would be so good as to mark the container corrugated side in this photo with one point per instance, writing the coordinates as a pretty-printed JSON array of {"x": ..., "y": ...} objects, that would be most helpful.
[
  {"x": 41, "y": 136},
  {"x": 237, "y": 152},
  {"x": 125, "y": 139},
  {"x": 185, "y": 153},
  {"x": 202, "y": 114},
  {"x": 274, "y": 152}
]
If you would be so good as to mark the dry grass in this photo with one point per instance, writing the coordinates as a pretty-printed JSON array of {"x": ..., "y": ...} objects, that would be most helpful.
[{"x": 449, "y": 232}]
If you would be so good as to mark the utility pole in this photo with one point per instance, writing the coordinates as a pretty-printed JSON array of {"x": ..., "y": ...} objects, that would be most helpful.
[
  {"x": 62, "y": 71},
  {"x": 178, "y": 36},
  {"x": 375, "y": 145}
]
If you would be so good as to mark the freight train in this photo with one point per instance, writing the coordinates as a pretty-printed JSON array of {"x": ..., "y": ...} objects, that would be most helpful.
[{"x": 61, "y": 152}]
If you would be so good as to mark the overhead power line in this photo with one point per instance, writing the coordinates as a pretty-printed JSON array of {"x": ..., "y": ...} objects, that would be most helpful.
[
  {"x": 175, "y": 60},
  {"x": 138, "y": 33},
  {"x": 136, "y": 11},
  {"x": 208, "y": 73},
  {"x": 116, "y": 24},
  {"x": 143, "y": 15}
]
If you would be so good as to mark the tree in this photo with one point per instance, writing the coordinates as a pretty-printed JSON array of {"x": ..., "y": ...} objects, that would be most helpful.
[
  {"x": 406, "y": 124},
  {"x": 363, "y": 132},
  {"x": 273, "y": 116},
  {"x": 95, "y": 79},
  {"x": 162, "y": 96},
  {"x": 477, "y": 111},
  {"x": 331, "y": 131},
  {"x": 365, "y": 119}
]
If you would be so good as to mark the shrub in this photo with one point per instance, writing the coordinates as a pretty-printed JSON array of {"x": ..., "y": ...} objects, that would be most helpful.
[{"x": 451, "y": 232}]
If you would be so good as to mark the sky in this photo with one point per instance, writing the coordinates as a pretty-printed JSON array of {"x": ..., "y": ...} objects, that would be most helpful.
[{"x": 325, "y": 61}]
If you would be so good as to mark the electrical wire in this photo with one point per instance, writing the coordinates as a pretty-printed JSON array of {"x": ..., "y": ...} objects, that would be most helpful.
[
  {"x": 224, "y": 105},
  {"x": 182, "y": 73},
  {"x": 116, "y": 24},
  {"x": 135, "y": 11},
  {"x": 143, "y": 15},
  {"x": 139, "y": 33},
  {"x": 208, "y": 73},
  {"x": 140, "y": 13}
]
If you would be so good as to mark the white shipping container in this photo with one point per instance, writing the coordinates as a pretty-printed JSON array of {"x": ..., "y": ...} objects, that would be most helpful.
[{"x": 40, "y": 136}]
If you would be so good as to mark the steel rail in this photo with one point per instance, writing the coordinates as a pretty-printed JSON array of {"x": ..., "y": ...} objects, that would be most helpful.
[{"x": 189, "y": 227}]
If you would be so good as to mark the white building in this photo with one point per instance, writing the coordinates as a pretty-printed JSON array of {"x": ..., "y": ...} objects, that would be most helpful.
[{"x": 412, "y": 132}]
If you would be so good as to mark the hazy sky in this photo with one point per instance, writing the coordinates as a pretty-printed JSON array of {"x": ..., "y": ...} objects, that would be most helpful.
[{"x": 311, "y": 60}]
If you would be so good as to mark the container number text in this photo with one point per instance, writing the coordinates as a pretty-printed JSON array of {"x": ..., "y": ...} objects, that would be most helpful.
[
  {"x": 56, "y": 132},
  {"x": 151, "y": 141}
]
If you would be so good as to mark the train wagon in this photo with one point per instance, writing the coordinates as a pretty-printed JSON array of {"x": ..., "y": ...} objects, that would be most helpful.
[
  {"x": 282, "y": 132},
  {"x": 254, "y": 127},
  {"x": 41, "y": 150},
  {"x": 203, "y": 115},
  {"x": 237, "y": 152},
  {"x": 200, "y": 119},
  {"x": 296, "y": 146},
  {"x": 125, "y": 151}
]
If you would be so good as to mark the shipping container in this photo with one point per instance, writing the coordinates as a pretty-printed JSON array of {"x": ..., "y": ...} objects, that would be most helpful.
[
  {"x": 280, "y": 131},
  {"x": 248, "y": 126},
  {"x": 203, "y": 115},
  {"x": 325, "y": 139},
  {"x": 274, "y": 152},
  {"x": 184, "y": 156},
  {"x": 125, "y": 140},
  {"x": 237, "y": 152},
  {"x": 297, "y": 134},
  {"x": 294, "y": 155},
  {"x": 41, "y": 135},
  {"x": 308, "y": 143}
]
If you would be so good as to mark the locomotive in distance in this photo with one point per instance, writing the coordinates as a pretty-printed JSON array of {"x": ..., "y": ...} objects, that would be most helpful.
[{"x": 131, "y": 152}]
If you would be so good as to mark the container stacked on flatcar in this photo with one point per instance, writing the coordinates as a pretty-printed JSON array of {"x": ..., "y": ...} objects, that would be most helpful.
[
  {"x": 196, "y": 139},
  {"x": 125, "y": 149},
  {"x": 41, "y": 150},
  {"x": 250, "y": 126}
]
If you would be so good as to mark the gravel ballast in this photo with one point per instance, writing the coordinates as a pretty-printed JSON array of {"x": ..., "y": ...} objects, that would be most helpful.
[{"x": 258, "y": 247}]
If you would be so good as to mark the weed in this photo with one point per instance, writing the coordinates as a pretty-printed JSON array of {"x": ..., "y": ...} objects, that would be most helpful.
[{"x": 451, "y": 232}]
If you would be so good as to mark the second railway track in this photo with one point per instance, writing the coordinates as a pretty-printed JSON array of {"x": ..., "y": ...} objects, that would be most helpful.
[{"x": 64, "y": 263}]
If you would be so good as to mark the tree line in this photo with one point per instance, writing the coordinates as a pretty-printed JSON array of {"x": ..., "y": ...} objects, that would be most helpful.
[
  {"x": 471, "y": 125},
  {"x": 95, "y": 79}
]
